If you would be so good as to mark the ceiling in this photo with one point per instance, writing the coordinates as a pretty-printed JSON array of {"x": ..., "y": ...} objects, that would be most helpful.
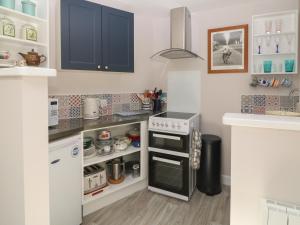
[{"x": 193, "y": 5}]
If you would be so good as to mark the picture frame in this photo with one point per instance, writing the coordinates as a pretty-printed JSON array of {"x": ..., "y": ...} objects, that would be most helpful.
[{"x": 228, "y": 49}]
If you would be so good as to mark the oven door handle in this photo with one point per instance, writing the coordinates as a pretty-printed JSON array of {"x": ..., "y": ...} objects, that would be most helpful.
[
  {"x": 169, "y": 161},
  {"x": 167, "y": 137}
]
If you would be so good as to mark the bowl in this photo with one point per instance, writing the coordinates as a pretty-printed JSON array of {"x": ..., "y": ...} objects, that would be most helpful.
[{"x": 87, "y": 142}]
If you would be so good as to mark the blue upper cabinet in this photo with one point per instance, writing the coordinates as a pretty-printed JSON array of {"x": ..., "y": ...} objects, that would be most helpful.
[
  {"x": 95, "y": 37},
  {"x": 117, "y": 40},
  {"x": 80, "y": 35}
]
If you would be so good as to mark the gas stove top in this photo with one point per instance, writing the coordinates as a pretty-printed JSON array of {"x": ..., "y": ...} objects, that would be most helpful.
[{"x": 173, "y": 122}]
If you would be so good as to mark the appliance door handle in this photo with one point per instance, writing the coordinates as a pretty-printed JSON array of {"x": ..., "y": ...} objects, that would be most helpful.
[
  {"x": 169, "y": 161},
  {"x": 167, "y": 137},
  {"x": 55, "y": 161}
]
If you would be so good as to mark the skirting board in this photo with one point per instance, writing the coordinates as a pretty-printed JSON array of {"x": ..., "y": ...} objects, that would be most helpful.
[{"x": 226, "y": 180}]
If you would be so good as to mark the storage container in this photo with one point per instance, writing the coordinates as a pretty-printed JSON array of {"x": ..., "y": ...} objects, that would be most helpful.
[
  {"x": 8, "y": 3},
  {"x": 28, "y": 7}
]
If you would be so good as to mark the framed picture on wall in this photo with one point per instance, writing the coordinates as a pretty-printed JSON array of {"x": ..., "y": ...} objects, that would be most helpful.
[{"x": 228, "y": 49}]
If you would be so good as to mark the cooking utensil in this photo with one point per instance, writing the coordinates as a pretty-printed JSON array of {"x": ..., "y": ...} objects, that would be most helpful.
[{"x": 33, "y": 58}]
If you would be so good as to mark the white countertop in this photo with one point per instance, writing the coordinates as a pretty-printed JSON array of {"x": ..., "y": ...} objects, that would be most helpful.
[{"x": 262, "y": 121}]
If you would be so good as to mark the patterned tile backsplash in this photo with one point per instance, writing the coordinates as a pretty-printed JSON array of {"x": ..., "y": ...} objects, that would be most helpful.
[
  {"x": 71, "y": 106},
  {"x": 259, "y": 104}
]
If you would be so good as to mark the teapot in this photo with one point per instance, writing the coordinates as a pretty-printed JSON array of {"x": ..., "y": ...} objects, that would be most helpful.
[{"x": 33, "y": 59}]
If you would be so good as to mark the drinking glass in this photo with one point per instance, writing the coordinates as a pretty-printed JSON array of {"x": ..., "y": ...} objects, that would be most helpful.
[
  {"x": 259, "y": 43},
  {"x": 268, "y": 26},
  {"x": 290, "y": 40},
  {"x": 278, "y": 26},
  {"x": 277, "y": 42}
]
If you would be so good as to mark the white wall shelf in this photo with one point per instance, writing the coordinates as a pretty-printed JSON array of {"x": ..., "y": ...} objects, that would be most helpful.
[
  {"x": 28, "y": 71},
  {"x": 19, "y": 41},
  {"x": 22, "y": 16},
  {"x": 99, "y": 159},
  {"x": 275, "y": 38},
  {"x": 112, "y": 188},
  {"x": 17, "y": 44}
]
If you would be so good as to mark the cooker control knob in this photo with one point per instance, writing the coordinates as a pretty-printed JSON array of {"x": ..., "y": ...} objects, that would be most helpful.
[
  {"x": 173, "y": 125},
  {"x": 153, "y": 124},
  {"x": 162, "y": 124},
  {"x": 166, "y": 125},
  {"x": 157, "y": 124}
]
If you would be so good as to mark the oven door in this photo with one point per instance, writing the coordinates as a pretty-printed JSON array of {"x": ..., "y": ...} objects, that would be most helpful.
[
  {"x": 166, "y": 141},
  {"x": 169, "y": 173}
]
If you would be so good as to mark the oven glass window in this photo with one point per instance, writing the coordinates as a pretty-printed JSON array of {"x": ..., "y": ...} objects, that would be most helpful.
[
  {"x": 169, "y": 141},
  {"x": 168, "y": 175}
]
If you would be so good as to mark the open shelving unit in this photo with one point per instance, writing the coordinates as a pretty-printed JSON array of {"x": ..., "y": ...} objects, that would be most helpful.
[
  {"x": 270, "y": 31},
  {"x": 92, "y": 201},
  {"x": 18, "y": 44}
]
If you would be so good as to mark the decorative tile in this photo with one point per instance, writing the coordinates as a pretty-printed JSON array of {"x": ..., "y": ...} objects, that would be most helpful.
[
  {"x": 286, "y": 102},
  {"x": 74, "y": 112},
  {"x": 63, "y": 101},
  {"x": 247, "y": 100},
  {"x": 259, "y": 110},
  {"x": 272, "y": 101},
  {"x": 63, "y": 113},
  {"x": 135, "y": 106},
  {"x": 75, "y": 100},
  {"x": 259, "y": 100},
  {"x": 116, "y": 108},
  {"x": 247, "y": 109},
  {"x": 116, "y": 98},
  {"x": 134, "y": 98},
  {"x": 126, "y": 107},
  {"x": 125, "y": 98}
]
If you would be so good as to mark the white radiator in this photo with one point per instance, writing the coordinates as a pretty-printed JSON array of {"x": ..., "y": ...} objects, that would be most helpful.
[{"x": 278, "y": 213}]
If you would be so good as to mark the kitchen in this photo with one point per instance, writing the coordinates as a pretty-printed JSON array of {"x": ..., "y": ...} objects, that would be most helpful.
[{"x": 117, "y": 89}]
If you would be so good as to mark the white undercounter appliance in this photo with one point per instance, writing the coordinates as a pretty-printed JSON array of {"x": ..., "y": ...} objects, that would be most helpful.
[{"x": 65, "y": 168}]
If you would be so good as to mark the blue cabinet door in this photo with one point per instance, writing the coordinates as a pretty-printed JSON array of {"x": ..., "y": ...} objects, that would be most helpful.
[
  {"x": 117, "y": 40},
  {"x": 80, "y": 35}
]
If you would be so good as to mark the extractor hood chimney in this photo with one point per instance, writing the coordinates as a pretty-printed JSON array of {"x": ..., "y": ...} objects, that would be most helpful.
[{"x": 181, "y": 36}]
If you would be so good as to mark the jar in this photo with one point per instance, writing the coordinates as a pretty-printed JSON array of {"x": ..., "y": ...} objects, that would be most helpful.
[
  {"x": 28, "y": 7},
  {"x": 8, "y": 3},
  {"x": 29, "y": 32},
  {"x": 7, "y": 27}
]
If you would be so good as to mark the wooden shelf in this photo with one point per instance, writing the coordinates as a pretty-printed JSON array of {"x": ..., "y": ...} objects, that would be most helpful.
[
  {"x": 99, "y": 159},
  {"x": 21, "y": 16},
  {"x": 129, "y": 180},
  {"x": 21, "y": 41},
  {"x": 27, "y": 71}
]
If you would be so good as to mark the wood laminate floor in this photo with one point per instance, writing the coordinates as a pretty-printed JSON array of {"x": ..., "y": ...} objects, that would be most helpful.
[{"x": 148, "y": 208}]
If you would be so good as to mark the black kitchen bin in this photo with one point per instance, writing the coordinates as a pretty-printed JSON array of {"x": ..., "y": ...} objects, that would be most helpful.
[{"x": 209, "y": 174}]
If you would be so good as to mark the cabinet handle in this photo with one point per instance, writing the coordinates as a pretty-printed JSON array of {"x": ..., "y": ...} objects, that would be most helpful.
[
  {"x": 99, "y": 67},
  {"x": 106, "y": 67}
]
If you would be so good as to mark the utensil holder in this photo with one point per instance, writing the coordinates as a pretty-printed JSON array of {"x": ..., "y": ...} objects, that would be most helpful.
[{"x": 156, "y": 105}]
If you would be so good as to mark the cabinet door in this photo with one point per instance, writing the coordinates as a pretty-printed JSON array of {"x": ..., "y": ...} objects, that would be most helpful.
[
  {"x": 117, "y": 40},
  {"x": 80, "y": 35}
]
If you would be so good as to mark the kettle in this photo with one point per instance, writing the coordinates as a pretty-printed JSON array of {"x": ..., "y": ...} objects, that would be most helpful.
[
  {"x": 91, "y": 108},
  {"x": 33, "y": 58}
]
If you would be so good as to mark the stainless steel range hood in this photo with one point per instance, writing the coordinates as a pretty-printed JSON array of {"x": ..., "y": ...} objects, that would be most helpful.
[{"x": 181, "y": 36}]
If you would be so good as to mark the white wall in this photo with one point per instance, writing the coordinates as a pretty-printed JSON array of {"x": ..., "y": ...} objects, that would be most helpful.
[
  {"x": 219, "y": 93},
  {"x": 222, "y": 93},
  {"x": 265, "y": 164},
  {"x": 148, "y": 39}
]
